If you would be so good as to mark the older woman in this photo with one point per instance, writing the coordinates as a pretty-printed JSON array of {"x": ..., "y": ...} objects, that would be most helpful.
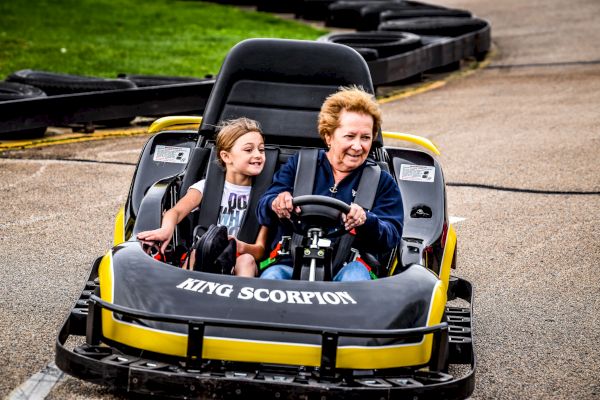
[{"x": 349, "y": 121}]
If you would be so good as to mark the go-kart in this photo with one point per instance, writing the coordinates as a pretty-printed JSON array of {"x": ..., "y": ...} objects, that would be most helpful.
[{"x": 144, "y": 325}]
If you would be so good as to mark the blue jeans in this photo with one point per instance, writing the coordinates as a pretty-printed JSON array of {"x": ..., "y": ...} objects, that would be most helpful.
[{"x": 353, "y": 271}]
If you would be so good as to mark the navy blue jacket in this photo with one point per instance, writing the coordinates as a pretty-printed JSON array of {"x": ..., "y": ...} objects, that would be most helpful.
[{"x": 382, "y": 230}]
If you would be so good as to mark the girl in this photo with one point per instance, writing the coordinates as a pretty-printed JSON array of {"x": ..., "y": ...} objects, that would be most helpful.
[{"x": 240, "y": 150}]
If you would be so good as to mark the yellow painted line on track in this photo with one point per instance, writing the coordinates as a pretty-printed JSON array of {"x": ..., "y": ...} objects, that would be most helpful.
[
  {"x": 413, "y": 91},
  {"x": 427, "y": 86}
]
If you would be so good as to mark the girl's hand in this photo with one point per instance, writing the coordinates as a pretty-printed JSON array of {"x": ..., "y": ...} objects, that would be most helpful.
[
  {"x": 161, "y": 236},
  {"x": 240, "y": 246},
  {"x": 356, "y": 217},
  {"x": 282, "y": 205}
]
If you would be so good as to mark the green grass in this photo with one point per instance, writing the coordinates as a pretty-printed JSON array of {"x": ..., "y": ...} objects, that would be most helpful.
[{"x": 107, "y": 37}]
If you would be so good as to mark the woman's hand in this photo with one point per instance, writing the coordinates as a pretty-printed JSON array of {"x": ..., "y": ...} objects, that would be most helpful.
[
  {"x": 282, "y": 205},
  {"x": 356, "y": 217},
  {"x": 161, "y": 236}
]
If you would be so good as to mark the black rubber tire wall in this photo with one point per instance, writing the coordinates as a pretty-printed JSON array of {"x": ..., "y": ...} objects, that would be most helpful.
[
  {"x": 158, "y": 80},
  {"x": 373, "y": 16},
  {"x": 56, "y": 83},
  {"x": 17, "y": 91},
  {"x": 387, "y": 44},
  {"x": 442, "y": 26}
]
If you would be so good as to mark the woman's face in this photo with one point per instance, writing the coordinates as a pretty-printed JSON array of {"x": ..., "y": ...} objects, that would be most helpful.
[{"x": 350, "y": 143}]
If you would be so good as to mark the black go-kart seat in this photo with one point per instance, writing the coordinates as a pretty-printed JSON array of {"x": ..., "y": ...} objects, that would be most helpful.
[{"x": 283, "y": 93}]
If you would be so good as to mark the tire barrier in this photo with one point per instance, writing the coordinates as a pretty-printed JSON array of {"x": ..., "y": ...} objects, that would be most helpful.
[
  {"x": 399, "y": 40},
  {"x": 19, "y": 91},
  {"x": 391, "y": 14},
  {"x": 442, "y": 26},
  {"x": 159, "y": 80},
  {"x": 108, "y": 105},
  {"x": 364, "y": 14},
  {"x": 56, "y": 83},
  {"x": 386, "y": 44}
]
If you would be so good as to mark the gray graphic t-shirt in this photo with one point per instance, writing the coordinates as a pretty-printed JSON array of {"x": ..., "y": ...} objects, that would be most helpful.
[{"x": 234, "y": 204}]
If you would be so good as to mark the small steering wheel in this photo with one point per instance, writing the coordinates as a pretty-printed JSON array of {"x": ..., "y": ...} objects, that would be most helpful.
[{"x": 319, "y": 212}]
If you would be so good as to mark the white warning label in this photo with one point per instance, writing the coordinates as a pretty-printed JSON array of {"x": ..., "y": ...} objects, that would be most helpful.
[
  {"x": 171, "y": 154},
  {"x": 418, "y": 173}
]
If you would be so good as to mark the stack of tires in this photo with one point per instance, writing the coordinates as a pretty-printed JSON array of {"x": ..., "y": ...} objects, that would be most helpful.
[
  {"x": 30, "y": 84},
  {"x": 399, "y": 39}
]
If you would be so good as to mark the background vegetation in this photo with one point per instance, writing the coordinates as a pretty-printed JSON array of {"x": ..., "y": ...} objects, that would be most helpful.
[{"x": 108, "y": 37}]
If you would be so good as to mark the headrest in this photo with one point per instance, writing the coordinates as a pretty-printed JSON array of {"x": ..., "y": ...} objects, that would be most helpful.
[{"x": 282, "y": 83}]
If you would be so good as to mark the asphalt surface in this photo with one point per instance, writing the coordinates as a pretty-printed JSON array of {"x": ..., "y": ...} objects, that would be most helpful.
[{"x": 520, "y": 144}]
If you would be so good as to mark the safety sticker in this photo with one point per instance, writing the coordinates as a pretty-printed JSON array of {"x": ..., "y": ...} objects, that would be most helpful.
[
  {"x": 418, "y": 173},
  {"x": 172, "y": 154}
]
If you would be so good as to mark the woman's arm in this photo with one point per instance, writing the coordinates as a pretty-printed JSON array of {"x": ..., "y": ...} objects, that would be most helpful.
[
  {"x": 171, "y": 218},
  {"x": 256, "y": 250},
  {"x": 283, "y": 181}
]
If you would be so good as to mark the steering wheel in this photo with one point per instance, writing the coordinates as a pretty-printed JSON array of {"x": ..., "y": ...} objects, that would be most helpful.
[{"x": 319, "y": 212}]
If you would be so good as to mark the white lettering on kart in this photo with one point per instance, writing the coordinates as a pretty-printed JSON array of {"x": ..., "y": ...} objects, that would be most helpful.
[{"x": 266, "y": 295}]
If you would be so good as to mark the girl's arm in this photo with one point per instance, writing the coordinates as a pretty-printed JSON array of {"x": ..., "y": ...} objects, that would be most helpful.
[
  {"x": 171, "y": 218},
  {"x": 256, "y": 250}
]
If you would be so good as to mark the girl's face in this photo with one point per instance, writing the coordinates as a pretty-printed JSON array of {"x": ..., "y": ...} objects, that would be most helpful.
[
  {"x": 246, "y": 157},
  {"x": 350, "y": 143}
]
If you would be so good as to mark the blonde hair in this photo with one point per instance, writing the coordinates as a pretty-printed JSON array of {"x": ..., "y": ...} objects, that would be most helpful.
[
  {"x": 353, "y": 99},
  {"x": 231, "y": 130}
]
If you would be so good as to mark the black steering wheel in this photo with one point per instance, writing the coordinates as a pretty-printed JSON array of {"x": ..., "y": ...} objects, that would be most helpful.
[{"x": 319, "y": 212}]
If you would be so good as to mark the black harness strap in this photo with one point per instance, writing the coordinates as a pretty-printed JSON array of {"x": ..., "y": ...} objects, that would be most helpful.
[
  {"x": 250, "y": 227},
  {"x": 305, "y": 172},
  {"x": 213, "y": 192},
  {"x": 365, "y": 197},
  {"x": 192, "y": 170},
  {"x": 367, "y": 187}
]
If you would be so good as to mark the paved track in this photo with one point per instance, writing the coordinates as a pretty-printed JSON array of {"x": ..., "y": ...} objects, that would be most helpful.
[{"x": 530, "y": 122}]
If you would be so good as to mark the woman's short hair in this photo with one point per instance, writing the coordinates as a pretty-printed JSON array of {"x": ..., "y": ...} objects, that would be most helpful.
[
  {"x": 353, "y": 99},
  {"x": 231, "y": 130}
]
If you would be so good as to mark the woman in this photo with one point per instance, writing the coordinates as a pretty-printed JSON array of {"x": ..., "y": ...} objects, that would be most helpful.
[
  {"x": 349, "y": 121},
  {"x": 241, "y": 151}
]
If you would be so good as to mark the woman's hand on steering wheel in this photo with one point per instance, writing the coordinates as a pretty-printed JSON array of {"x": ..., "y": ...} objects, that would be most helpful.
[
  {"x": 356, "y": 217},
  {"x": 283, "y": 205}
]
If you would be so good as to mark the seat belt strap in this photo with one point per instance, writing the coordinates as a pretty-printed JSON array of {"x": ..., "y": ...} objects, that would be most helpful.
[
  {"x": 249, "y": 227},
  {"x": 305, "y": 172},
  {"x": 365, "y": 197},
  {"x": 367, "y": 189},
  {"x": 213, "y": 192}
]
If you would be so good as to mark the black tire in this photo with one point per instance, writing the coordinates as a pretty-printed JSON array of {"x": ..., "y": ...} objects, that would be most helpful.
[
  {"x": 390, "y": 15},
  {"x": 364, "y": 14},
  {"x": 18, "y": 91},
  {"x": 442, "y": 26},
  {"x": 56, "y": 83},
  {"x": 369, "y": 14},
  {"x": 159, "y": 80},
  {"x": 386, "y": 44}
]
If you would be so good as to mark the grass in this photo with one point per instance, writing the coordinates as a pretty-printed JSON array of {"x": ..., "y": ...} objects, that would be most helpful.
[{"x": 107, "y": 37}]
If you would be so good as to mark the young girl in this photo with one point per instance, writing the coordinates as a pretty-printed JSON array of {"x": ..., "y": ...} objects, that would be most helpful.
[{"x": 241, "y": 151}]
